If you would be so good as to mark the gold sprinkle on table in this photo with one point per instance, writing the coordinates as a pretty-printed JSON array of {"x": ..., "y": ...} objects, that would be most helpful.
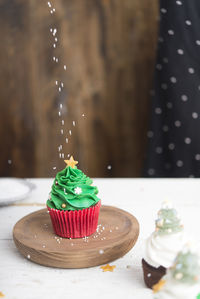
[{"x": 108, "y": 268}]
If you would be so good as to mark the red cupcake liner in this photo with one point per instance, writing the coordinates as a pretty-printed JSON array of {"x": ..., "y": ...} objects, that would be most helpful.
[{"x": 75, "y": 224}]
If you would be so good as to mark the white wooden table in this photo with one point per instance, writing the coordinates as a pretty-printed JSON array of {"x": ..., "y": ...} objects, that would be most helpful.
[{"x": 22, "y": 279}]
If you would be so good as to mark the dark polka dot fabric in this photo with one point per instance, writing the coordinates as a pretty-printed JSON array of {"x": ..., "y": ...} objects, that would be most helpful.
[{"x": 174, "y": 135}]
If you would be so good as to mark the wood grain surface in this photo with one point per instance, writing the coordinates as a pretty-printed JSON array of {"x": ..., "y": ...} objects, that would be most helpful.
[
  {"x": 109, "y": 49},
  {"x": 116, "y": 234}
]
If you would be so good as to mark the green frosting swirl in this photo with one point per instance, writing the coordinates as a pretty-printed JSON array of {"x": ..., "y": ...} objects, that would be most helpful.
[{"x": 72, "y": 188}]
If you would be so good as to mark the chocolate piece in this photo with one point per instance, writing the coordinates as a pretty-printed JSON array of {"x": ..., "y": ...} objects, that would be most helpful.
[{"x": 151, "y": 274}]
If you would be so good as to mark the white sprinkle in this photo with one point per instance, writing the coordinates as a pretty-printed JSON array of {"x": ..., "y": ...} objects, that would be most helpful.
[
  {"x": 54, "y": 167},
  {"x": 187, "y": 140},
  {"x": 59, "y": 113},
  {"x": 9, "y": 161},
  {"x": 54, "y": 45},
  {"x": 173, "y": 80},
  {"x": 73, "y": 123},
  {"x": 195, "y": 115},
  {"x": 188, "y": 22},
  {"x": 184, "y": 98},
  {"x": 54, "y": 9},
  {"x": 65, "y": 67},
  {"x": 57, "y": 60},
  {"x": 149, "y": 275},
  {"x": 150, "y": 134},
  {"x": 56, "y": 39},
  {"x": 109, "y": 167},
  {"x": 101, "y": 251},
  {"x": 61, "y": 146},
  {"x": 83, "y": 114},
  {"x": 62, "y": 84},
  {"x": 171, "y": 146},
  {"x": 63, "y": 122},
  {"x": 61, "y": 105},
  {"x": 60, "y": 155},
  {"x": 164, "y": 86},
  {"x": 28, "y": 256},
  {"x": 163, "y": 10},
  {"x": 159, "y": 67},
  {"x": 51, "y": 29},
  {"x": 169, "y": 105},
  {"x": 70, "y": 132},
  {"x": 151, "y": 171},
  {"x": 159, "y": 150},
  {"x": 63, "y": 156},
  {"x": 59, "y": 89},
  {"x": 178, "y": 2},
  {"x": 61, "y": 131},
  {"x": 51, "y": 11},
  {"x": 180, "y": 51},
  {"x": 191, "y": 70},
  {"x": 160, "y": 39},
  {"x": 43, "y": 246},
  {"x": 179, "y": 163},
  {"x": 170, "y": 32},
  {"x": 165, "y": 60},
  {"x": 110, "y": 230},
  {"x": 54, "y": 31},
  {"x": 68, "y": 155},
  {"x": 165, "y": 128},
  {"x": 198, "y": 42},
  {"x": 66, "y": 140},
  {"x": 116, "y": 227},
  {"x": 158, "y": 110},
  {"x": 197, "y": 157},
  {"x": 56, "y": 82},
  {"x": 72, "y": 244},
  {"x": 54, "y": 58},
  {"x": 177, "y": 123}
]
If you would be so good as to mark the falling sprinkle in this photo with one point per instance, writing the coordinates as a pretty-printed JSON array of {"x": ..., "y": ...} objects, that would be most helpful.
[
  {"x": 54, "y": 167},
  {"x": 59, "y": 113},
  {"x": 51, "y": 29},
  {"x": 109, "y": 167},
  {"x": 51, "y": 11},
  {"x": 63, "y": 122},
  {"x": 57, "y": 60},
  {"x": 54, "y": 45},
  {"x": 83, "y": 115},
  {"x": 54, "y": 31},
  {"x": 61, "y": 105},
  {"x": 54, "y": 58},
  {"x": 28, "y": 256},
  {"x": 56, "y": 82},
  {"x": 56, "y": 39},
  {"x": 70, "y": 132},
  {"x": 73, "y": 123},
  {"x": 59, "y": 89},
  {"x": 62, "y": 84},
  {"x": 65, "y": 67},
  {"x": 63, "y": 155},
  {"x": 9, "y": 161},
  {"x": 43, "y": 246},
  {"x": 66, "y": 140},
  {"x": 101, "y": 251},
  {"x": 61, "y": 131}
]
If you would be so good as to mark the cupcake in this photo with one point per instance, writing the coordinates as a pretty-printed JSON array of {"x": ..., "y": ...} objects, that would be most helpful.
[
  {"x": 73, "y": 204},
  {"x": 163, "y": 245},
  {"x": 182, "y": 279}
]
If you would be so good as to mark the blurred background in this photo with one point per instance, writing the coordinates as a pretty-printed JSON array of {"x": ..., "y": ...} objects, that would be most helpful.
[{"x": 109, "y": 49}]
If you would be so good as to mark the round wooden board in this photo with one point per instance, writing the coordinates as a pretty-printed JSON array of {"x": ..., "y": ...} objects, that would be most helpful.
[{"x": 116, "y": 234}]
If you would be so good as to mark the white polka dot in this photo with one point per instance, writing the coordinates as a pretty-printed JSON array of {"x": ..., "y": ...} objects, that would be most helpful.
[
  {"x": 169, "y": 105},
  {"x": 159, "y": 150},
  {"x": 150, "y": 134},
  {"x": 188, "y": 22},
  {"x": 167, "y": 165},
  {"x": 171, "y": 32},
  {"x": 158, "y": 110},
  {"x": 149, "y": 275},
  {"x": 171, "y": 146},
  {"x": 165, "y": 128},
  {"x": 197, "y": 157},
  {"x": 165, "y": 60},
  {"x": 198, "y": 42},
  {"x": 164, "y": 86},
  {"x": 180, "y": 51},
  {"x": 177, "y": 123},
  {"x": 191, "y": 70},
  {"x": 178, "y": 2},
  {"x": 163, "y": 10},
  {"x": 195, "y": 115},
  {"x": 151, "y": 171},
  {"x": 159, "y": 67},
  {"x": 179, "y": 163},
  {"x": 184, "y": 98},
  {"x": 161, "y": 39},
  {"x": 187, "y": 140},
  {"x": 173, "y": 80}
]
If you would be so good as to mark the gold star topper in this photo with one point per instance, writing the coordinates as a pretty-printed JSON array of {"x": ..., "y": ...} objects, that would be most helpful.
[
  {"x": 158, "y": 286},
  {"x": 107, "y": 268},
  {"x": 71, "y": 162}
]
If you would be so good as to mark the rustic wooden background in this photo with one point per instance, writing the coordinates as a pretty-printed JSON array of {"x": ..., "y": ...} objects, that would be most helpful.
[{"x": 109, "y": 48}]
